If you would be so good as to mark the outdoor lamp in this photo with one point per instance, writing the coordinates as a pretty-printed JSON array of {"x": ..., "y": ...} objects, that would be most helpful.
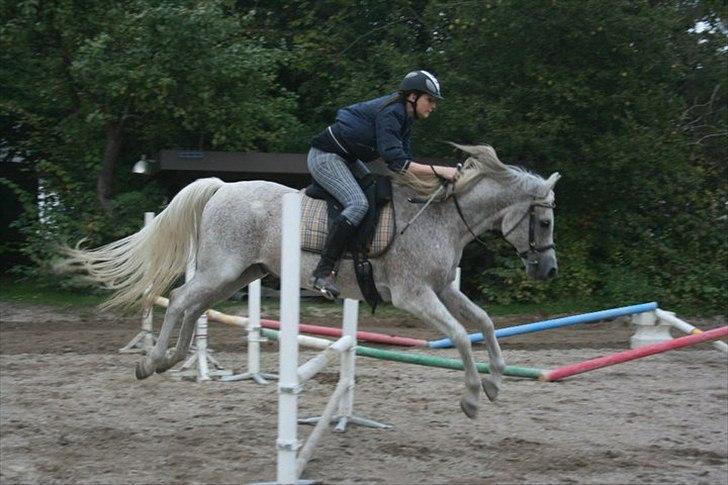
[{"x": 143, "y": 166}]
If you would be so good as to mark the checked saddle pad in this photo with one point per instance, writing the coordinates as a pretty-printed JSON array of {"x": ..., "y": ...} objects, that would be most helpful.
[{"x": 315, "y": 223}]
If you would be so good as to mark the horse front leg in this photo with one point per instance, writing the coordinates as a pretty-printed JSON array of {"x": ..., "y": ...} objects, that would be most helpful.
[
  {"x": 424, "y": 304},
  {"x": 466, "y": 311}
]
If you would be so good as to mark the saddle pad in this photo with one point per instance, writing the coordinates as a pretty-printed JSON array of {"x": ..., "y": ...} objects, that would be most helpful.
[{"x": 315, "y": 220}]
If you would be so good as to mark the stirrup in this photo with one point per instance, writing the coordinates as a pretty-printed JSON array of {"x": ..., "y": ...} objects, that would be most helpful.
[
  {"x": 326, "y": 287},
  {"x": 326, "y": 293}
]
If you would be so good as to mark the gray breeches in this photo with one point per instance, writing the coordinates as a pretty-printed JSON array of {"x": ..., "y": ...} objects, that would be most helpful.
[{"x": 335, "y": 175}]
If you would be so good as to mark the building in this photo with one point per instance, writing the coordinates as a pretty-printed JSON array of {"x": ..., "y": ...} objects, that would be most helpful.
[{"x": 178, "y": 168}]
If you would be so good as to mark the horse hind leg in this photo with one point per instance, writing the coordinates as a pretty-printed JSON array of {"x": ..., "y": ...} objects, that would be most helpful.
[
  {"x": 203, "y": 293},
  {"x": 175, "y": 311}
]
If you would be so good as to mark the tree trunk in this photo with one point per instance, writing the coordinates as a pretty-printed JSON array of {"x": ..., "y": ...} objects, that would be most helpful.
[{"x": 104, "y": 183}]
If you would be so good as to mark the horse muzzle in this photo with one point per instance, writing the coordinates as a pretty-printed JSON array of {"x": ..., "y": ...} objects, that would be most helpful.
[{"x": 542, "y": 266}]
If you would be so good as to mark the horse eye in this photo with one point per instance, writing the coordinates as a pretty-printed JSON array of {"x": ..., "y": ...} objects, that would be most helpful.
[{"x": 545, "y": 223}]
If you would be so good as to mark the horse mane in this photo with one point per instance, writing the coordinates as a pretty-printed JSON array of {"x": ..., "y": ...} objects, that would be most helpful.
[{"x": 483, "y": 162}]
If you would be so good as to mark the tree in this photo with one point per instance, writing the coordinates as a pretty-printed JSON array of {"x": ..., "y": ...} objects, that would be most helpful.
[{"x": 83, "y": 76}]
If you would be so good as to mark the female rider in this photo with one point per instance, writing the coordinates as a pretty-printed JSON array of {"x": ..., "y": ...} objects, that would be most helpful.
[{"x": 363, "y": 132}]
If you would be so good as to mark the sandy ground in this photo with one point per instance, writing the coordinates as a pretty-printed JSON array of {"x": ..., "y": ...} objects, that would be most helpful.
[{"x": 71, "y": 411}]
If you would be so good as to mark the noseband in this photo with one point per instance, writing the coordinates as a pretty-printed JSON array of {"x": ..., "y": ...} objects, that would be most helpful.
[{"x": 531, "y": 213}]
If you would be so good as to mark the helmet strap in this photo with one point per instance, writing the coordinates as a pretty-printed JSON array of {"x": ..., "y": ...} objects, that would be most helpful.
[{"x": 414, "y": 105}]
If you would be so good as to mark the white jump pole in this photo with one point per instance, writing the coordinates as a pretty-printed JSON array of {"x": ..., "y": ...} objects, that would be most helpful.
[
  {"x": 254, "y": 340},
  {"x": 290, "y": 461},
  {"x": 347, "y": 374},
  {"x": 144, "y": 340},
  {"x": 348, "y": 364},
  {"x": 201, "y": 354},
  {"x": 670, "y": 319}
]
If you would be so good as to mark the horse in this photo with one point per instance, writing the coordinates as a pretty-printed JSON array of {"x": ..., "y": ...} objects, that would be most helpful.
[{"x": 235, "y": 231}]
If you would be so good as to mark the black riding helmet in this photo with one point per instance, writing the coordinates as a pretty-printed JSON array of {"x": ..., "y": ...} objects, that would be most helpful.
[{"x": 423, "y": 82}]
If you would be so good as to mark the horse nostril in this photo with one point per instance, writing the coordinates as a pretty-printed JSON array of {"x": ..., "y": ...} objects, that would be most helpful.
[{"x": 552, "y": 273}]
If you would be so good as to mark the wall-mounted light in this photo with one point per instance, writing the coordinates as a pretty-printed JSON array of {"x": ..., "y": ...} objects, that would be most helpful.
[{"x": 144, "y": 166}]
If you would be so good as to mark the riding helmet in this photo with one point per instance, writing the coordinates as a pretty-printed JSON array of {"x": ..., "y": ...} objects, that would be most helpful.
[{"x": 421, "y": 81}]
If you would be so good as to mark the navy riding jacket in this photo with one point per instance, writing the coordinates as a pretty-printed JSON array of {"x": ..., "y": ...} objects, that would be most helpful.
[{"x": 371, "y": 129}]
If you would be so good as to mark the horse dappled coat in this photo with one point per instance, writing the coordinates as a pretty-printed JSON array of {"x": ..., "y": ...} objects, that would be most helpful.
[{"x": 235, "y": 230}]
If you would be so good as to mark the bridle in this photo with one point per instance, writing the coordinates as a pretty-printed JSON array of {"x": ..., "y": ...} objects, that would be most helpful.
[{"x": 533, "y": 249}]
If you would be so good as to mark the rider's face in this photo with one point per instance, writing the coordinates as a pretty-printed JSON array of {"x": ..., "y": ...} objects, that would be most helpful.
[{"x": 424, "y": 105}]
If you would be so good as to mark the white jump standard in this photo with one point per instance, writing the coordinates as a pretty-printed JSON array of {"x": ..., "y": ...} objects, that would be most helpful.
[
  {"x": 207, "y": 367},
  {"x": 254, "y": 340},
  {"x": 291, "y": 462},
  {"x": 347, "y": 373}
]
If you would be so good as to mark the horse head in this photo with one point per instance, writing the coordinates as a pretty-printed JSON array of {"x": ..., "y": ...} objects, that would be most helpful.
[{"x": 527, "y": 218}]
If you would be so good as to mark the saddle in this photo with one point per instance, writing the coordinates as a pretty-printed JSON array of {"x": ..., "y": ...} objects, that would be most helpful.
[{"x": 373, "y": 237}]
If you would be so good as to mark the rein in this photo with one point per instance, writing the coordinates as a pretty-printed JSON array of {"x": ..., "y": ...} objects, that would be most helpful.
[{"x": 462, "y": 217}]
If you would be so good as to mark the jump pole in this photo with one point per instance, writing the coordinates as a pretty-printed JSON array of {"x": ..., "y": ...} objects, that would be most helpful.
[
  {"x": 254, "y": 340},
  {"x": 403, "y": 357},
  {"x": 288, "y": 384},
  {"x": 685, "y": 327},
  {"x": 618, "y": 358},
  {"x": 455, "y": 364},
  {"x": 417, "y": 359},
  {"x": 380, "y": 338},
  {"x": 553, "y": 323}
]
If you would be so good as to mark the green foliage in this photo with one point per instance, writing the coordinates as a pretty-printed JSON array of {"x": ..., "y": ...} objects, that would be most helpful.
[
  {"x": 82, "y": 77},
  {"x": 624, "y": 99},
  {"x": 627, "y": 99}
]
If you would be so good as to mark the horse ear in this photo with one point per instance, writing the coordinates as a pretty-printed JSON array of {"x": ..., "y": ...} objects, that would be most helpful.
[
  {"x": 484, "y": 153},
  {"x": 475, "y": 150},
  {"x": 551, "y": 181}
]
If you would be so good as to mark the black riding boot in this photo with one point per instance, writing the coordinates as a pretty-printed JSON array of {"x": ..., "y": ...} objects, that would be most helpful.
[{"x": 324, "y": 277}]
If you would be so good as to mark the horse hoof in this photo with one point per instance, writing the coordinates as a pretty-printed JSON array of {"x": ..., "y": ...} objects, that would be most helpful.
[
  {"x": 491, "y": 388},
  {"x": 142, "y": 372},
  {"x": 469, "y": 408}
]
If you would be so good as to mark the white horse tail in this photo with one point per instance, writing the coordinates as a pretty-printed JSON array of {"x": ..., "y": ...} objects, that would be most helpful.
[{"x": 144, "y": 265}]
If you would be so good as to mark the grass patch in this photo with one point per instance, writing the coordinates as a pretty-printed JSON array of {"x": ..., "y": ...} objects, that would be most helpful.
[{"x": 27, "y": 292}]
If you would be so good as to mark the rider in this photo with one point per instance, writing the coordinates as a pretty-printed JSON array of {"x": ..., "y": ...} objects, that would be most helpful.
[{"x": 363, "y": 132}]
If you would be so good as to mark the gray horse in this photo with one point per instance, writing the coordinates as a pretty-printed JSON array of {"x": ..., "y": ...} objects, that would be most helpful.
[{"x": 235, "y": 230}]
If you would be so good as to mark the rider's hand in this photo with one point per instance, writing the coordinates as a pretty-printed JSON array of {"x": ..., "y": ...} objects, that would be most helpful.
[
  {"x": 425, "y": 169},
  {"x": 449, "y": 173}
]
